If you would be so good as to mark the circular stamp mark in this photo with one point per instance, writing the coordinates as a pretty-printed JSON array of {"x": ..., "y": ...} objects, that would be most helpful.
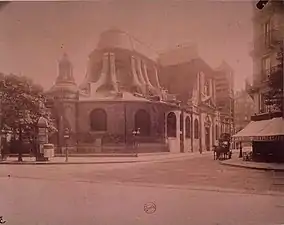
[{"x": 150, "y": 208}]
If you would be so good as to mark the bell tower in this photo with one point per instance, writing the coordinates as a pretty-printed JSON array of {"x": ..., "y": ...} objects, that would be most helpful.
[
  {"x": 65, "y": 71},
  {"x": 65, "y": 93}
]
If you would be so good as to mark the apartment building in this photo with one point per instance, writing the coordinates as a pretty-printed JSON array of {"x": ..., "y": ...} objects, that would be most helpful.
[
  {"x": 244, "y": 109},
  {"x": 268, "y": 32},
  {"x": 265, "y": 130},
  {"x": 224, "y": 81}
]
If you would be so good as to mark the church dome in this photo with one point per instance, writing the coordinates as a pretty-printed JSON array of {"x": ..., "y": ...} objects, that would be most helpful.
[{"x": 115, "y": 38}]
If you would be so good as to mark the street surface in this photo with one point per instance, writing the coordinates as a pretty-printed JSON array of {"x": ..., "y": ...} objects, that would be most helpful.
[{"x": 195, "y": 191}]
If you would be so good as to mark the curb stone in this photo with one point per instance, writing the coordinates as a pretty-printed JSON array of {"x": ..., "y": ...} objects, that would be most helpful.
[
  {"x": 136, "y": 160},
  {"x": 64, "y": 163},
  {"x": 269, "y": 168}
]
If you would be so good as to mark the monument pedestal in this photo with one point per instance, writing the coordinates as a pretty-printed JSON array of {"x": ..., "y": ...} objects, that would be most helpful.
[{"x": 98, "y": 145}]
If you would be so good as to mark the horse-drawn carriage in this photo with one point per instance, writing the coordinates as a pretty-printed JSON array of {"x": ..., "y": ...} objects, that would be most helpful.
[{"x": 222, "y": 149}]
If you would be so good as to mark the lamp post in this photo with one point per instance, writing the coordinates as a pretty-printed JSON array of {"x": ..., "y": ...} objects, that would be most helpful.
[
  {"x": 3, "y": 137},
  {"x": 21, "y": 123},
  {"x": 241, "y": 150},
  {"x": 66, "y": 137},
  {"x": 134, "y": 134}
]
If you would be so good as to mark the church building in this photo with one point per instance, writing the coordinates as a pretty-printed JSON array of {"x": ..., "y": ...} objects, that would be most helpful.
[{"x": 133, "y": 100}]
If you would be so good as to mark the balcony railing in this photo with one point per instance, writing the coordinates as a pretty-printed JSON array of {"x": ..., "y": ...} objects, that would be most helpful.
[
  {"x": 266, "y": 42},
  {"x": 266, "y": 73},
  {"x": 262, "y": 78}
]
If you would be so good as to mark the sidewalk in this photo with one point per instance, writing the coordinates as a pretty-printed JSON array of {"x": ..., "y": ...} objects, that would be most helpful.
[
  {"x": 147, "y": 157},
  {"x": 237, "y": 162}
]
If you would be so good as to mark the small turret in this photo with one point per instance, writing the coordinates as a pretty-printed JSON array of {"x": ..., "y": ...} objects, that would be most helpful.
[
  {"x": 65, "y": 82},
  {"x": 65, "y": 70}
]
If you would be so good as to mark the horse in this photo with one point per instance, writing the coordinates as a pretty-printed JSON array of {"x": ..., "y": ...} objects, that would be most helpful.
[{"x": 222, "y": 149}]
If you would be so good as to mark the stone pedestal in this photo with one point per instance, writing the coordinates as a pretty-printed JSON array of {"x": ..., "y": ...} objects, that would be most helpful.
[{"x": 98, "y": 145}]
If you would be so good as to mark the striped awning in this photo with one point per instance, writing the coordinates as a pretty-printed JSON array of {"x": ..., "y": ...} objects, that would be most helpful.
[{"x": 264, "y": 130}]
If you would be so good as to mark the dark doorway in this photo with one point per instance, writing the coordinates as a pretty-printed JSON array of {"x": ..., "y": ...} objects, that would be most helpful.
[
  {"x": 207, "y": 138},
  {"x": 143, "y": 121}
]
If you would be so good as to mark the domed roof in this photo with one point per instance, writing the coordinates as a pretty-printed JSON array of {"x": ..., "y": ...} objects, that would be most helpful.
[{"x": 115, "y": 38}]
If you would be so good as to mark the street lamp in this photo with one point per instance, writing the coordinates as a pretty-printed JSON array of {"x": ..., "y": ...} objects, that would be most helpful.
[
  {"x": 241, "y": 150},
  {"x": 3, "y": 141},
  {"x": 66, "y": 137},
  {"x": 135, "y": 133}
]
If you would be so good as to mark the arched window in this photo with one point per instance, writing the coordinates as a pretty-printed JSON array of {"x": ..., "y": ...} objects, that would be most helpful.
[
  {"x": 216, "y": 132},
  {"x": 196, "y": 129},
  {"x": 143, "y": 121},
  {"x": 98, "y": 120},
  {"x": 187, "y": 127},
  {"x": 171, "y": 125}
]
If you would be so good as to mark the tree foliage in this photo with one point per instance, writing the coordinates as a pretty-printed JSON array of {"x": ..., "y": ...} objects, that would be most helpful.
[
  {"x": 22, "y": 104},
  {"x": 274, "y": 97}
]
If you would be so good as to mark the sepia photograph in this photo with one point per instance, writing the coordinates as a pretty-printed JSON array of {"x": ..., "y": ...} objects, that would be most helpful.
[{"x": 142, "y": 112}]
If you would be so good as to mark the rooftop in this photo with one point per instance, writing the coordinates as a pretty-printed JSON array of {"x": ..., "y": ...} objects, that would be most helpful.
[{"x": 115, "y": 38}]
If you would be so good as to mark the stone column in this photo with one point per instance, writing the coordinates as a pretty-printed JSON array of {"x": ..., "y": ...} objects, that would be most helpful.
[{"x": 178, "y": 131}]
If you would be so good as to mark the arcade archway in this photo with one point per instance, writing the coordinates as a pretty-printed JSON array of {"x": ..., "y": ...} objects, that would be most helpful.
[{"x": 171, "y": 125}]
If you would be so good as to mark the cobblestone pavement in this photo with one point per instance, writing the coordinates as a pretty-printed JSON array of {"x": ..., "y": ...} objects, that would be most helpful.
[
  {"x": 199, "y": 171},
  {"x": 56, "y": 202},
  {"x": 196, "y": 172}
]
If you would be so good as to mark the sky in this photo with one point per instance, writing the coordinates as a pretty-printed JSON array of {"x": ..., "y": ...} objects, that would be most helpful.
[{"x": 34, "y": 35}]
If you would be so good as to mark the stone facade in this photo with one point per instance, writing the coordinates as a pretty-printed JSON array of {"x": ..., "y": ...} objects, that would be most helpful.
[
  {"x": 224, "y": 82},
  {"x": 125, "y": 92},
  {"x": 244, "y": 109},
  {"x": 268, "y": 34},
  {"x": 193, "y": 82}
]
